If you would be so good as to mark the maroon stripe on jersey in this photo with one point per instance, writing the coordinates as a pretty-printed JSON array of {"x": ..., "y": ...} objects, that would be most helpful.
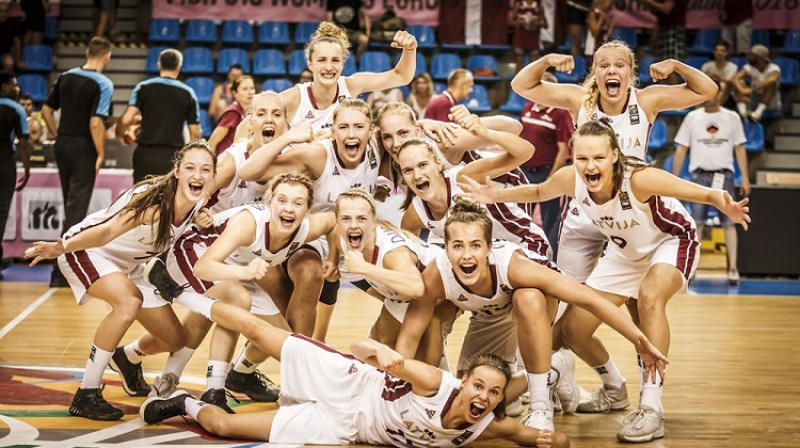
[
  {"x": 394, "y": 388},
  {"x": 186, "y": 257},
  {"x": 82, "y": 266},
  {"x": 314, "y": 102},
  {"x": 674, "y": 223},
  {"x": 519, "y": 227},
  {"x": 212, "y": 201},
  {"x": 325, "y": 347},
  {"x": 514, "y": 177},
  {"x": 449, "y": 403}
]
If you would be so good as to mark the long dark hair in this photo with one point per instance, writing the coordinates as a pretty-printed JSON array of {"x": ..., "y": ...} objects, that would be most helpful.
[
  {"x": 160, "y": 193},
  {"x": 495, "y": 361}
]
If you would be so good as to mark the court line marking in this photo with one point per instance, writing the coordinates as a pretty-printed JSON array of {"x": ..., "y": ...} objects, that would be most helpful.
[{"x": 27, "y": 311}]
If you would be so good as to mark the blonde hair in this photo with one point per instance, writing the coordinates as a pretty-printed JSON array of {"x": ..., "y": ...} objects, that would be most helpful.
[
  {"x": 358, "y": 193},
  {"x": 328, "y": 32},
  {"x": 291, "y": 178},
  {"x": 353, "y": 103},
  {"x": 468, "y": 212},
  {"x": 592, "y": 91},
  {"x": 431, "y": 150},
  {"x": 600, "y": 128},
  {"x": 397, "y": 108}
]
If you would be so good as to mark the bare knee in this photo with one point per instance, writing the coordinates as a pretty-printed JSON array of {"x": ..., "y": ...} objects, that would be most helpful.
[
  {"x": 128, "y": 309},
  {"x": 529, "y": 302}
]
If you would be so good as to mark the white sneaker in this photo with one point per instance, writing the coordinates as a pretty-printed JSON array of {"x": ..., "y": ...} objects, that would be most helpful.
[
  {"x": 733, "y": 277},
  {"x": 540, "y": 416},
  {"x": 566, "y": 387},
  {"x": 515, "y": 408},
  {"x": 164, "y": 386},
  {"x": 642, "y": 425},
  {"x": 605, "y": 399}
]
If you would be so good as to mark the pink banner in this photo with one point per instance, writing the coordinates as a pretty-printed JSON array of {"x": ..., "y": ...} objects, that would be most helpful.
[
  {"x": 632, "y": 14},
  {"x": 703, "y": 15},
  {"x": 424, "y": 12},
  {"x": 776, "y": 14}
]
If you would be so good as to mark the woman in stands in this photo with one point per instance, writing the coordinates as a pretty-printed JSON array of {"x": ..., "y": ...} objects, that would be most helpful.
[
  {"x": 326, "y": 52},
  {"x": 421, "y": 93},
  {"x": 343, "y": 400},
  {"x": 243, "y": 89},
  {"x": 103, "y": 256},
  {"x": 653, "y": 249}
]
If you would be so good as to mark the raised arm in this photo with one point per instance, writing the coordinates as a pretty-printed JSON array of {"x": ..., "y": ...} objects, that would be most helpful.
[
  {"x": 240, "y": 231},
  {"x": 528, "y": 83},
  {"x": 400, "y": 273},
  {"x": 268, "y": 161},
  {"x": 658, "y": 97},
  {"x": 401, "y": 74},
  {"x": 424, "y": 379},
  {"x": 562, "y": 183},
  {"x": 419, "y": 313}
]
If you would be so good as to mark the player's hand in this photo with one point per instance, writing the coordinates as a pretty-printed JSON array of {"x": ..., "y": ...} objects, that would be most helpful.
[
  {"x": 561, "y": 62},
  {"x": 442, "y": 133},
  {"x": 467, "y": 120},
  {"x": 485, "y": 193},
  {"x": 652, "y": 359},
  {"x": 404, "y": 40},
  {"x": 44, "y": 250},
  {"x": 353, "y": 259},
  {"x": 738, "y": 212},
  {"x": 330, "y": 271},
  {"x": 662, "y": 69},
  {"x": 255, "y": 270},
  {"x": 203, "y": 218},
  {"x": 388, "y": 359},
  {"x": 302, "y": 133},
  {"x": 26, "y": 175}
]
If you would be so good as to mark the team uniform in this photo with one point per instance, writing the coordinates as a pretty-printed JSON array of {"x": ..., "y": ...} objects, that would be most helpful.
[
  {"x": 509, "y": 222},
  {"x": 581, "y": 242},
  {"x": 640, "y": 235},
  {"x": 238, "y": 191},
  {"x": 351, "y": 402},
  {"x": 307, "y": 111},
  {"x": 194, "y": 243},
  {"x": 127, "y": 253},
  {"x": 492, "y": 326}
]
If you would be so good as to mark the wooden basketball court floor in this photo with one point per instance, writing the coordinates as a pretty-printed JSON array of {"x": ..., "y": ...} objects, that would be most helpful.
[{"x": 732, "y": 381}]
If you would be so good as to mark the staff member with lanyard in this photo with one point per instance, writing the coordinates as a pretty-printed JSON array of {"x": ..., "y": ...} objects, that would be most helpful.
[{"x": 165, "y": 104}]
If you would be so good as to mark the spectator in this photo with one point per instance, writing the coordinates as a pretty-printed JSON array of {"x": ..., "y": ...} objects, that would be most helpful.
[
  {"x": 11, "y": 31},
  {"x": 736, "y": 17},
  {"x": 84, "y": 96},
  {"x": 106, "y": 14},
  {"x": 243, "y": 90},
  {"x": 36, "y": 124},
  {"x": 714, "y": 134},
  {"x": 34, "y": 19},
  {"x": 528, "y": 19},
  {"x": 306, "y": 76},
  {"x": 720, "y": 69},
  {"x": 671, "y": 18},
  {"x": 763, "y": 93},
  {"x": 549, "y": 130},
  {"x": 347, "y": 14},
  {"x": 576, "y": 19},
  {"x": 222, "y": 97},
  {"x": 12, "y": 122},
  {"x": 421, "y": 93},
  {"x": 165, "y": 104},
  {"x": 599, "y": 25},
  {"x": 378, "y": 99},
  {"x": 387, "y": 26},
  {"x": 459, "y": 86}
]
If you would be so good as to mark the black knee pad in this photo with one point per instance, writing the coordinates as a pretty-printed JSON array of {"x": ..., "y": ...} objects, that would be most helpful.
[{"x": 330, "y": 291}]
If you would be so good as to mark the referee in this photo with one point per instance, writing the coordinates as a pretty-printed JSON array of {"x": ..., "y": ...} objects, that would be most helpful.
[
  {"x": 165, "y": 104},
  {"x": 84, "y": 96}
]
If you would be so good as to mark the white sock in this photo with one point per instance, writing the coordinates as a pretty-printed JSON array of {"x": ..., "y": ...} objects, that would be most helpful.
[
  {"x": 244, "y": 365},
  {"x": 537, "y": 386},
  {"x": 198, "y": 303},
  {"x": 193, "y": 406},
  {"x": 177, "y": 361},
  {"x": 216, "y": 373},
  {"x": 651, "y": 390},
  {"x": 95, "y": 366},
  {"x": 133, "y": 352},
  {"x": 742, "y": 108},
  {"x": 609, "y": 373}
]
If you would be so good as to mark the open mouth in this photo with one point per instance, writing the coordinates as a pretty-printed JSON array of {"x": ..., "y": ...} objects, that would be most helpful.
[
  {"x": 196, "y": 187},
  {"x": 613, "y": 86},
  {"x": 476, "y": 409},
  {"x": 424, "y": 185},
  {"x": 468, "y": 268},
  {"x": 354, "y": 239},
  {"x": 287, "y": 222},
  {"x": 268, "y": 132},
  {"x": 328, "y": 75},
  {"x": 593, "y": 178},
  {"x": 351, "y": 148}
]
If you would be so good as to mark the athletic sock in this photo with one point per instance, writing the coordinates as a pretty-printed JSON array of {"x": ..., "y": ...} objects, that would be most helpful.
[
  {"x": 95, "y": 366},
  {"x": 198, "y": 303},
  {"x": 537, "y": 386},
  {"x": 244, "y": 365},
  {"x": 651, "y": 390},
  {"x": 177, "y": 361},
  {"x": 609, "y": 373},
  {"x": 216, "y": 373},
  {"x": 133, "y": 352},
  {"x": 193, "y": 406}
]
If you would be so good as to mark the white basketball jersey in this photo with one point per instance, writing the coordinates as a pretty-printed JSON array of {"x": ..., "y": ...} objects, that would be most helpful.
[
  {"x": 484, "y": 308},
  {"x": 335, "y": 178},
  {"x": 399, "y": 417},
  {"x": 509, "y": 222},
  {"x": 307, "y": 109},
  {"x": 238, "y": 191},
  {"x": 135, "y": 246},
  {"x": 636, "y": 229},
  {"x": 631, "y": 125}
]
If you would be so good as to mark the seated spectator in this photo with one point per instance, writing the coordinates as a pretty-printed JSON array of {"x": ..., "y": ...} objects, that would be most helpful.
[
  {"x": 12, "y": 29},
  {"x": 376, "y": 100},
  {"x": 351, "y": 15},
  {"x": 459, "y": 86},
  {"x": 763, "y": 93},
  {"x": 720, "y": 69},
  {"x": 243, "y": 90},
  {"x": 421, "y": 94},
  {"x": 221, "y": 97},
  {"x": 36, "y": 124},
  {"x": 389, "y": 23},
  {"x": 306, "y": 76}
]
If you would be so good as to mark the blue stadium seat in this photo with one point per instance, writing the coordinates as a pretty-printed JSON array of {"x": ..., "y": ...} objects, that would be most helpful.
[
  {"x": 304, "y": 31},
  {"x": 684, "y": 174},
  {"x": 349, "y": 66},
  {"x": 514, "y": 104},
  {"x": 737, "y": 173},
  {"x": 164, "y": 30},
  {"x": 483, "y": 61},
  {"x": 755, "y": 136},
  {"x": 201, "y": 31},
  {"x": 205, "y": 123},
  {"x": 38, "y": 57},
  {"x": 277, "y": 85},
  {"x": 151, "y": 66},
  {"x": 627, "y": 35},
  {"x": 704, "y": 41},
  {"x": 374, "y": 61},
  {"x": 738, "y": 60},
  {"x": 439, "y": 87},
  {"x": 237, "y": 32},
  {"x": 658, "y": 136},
  {"x": 456, "y": 47},
  {"x": 269, "y": 62},
  {"x": 644, "y": 70},
  {"x": 406, "y": 90},
  {"x": 422, "y": 65},
  {"x": 426, "y": 37},
  {"x": 444, "y": 63},
  {"x": 675, "y": 113},
  {"x": 478, "y": 101},
  {"x": 203, "y": 87},
  {"x": 578, "y": 73},
  {"x": 759, "y": 37},
  {"x": 791, "y": 44},
  {"x": 273, "y": 33},
  {"x": 50, "y": 29},
  {"x": 696, "y": 61},
  {"x": 790, "y": 72},
  {"x": 230, "y": 56},
  {"x": 297, "y": 62},
  {"x": 197, "y": 61},
  {"x": 34, "y": 85}
]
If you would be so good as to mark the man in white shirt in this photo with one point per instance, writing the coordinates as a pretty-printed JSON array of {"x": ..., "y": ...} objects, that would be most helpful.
[
  {"x": 714, "y": 135},
  {"x": 720, "y": 69},
  {"x": 763, "y": 93}
]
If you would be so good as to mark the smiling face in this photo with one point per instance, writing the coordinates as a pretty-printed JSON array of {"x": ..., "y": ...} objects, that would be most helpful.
[
  {"x": 288, "y": 206},
  {"x": 351, "y": 132},
  {"x": 594, "y": 162},
  {"x": 468, "y": 251},
  {"x": 614, "y": 73},
  {"x": 195, "y": 174},
  {"x": 396, "y": 128},
  {"x": 326, "y": 61},
  {"x": 269, "y": 118},
  {"x": 421, "y": 171},
  {"x": 482, "y": 390},
  {"x": 355, "y": 222}
]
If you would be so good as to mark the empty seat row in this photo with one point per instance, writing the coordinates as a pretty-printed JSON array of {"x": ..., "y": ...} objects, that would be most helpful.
[{"x": 236, "y": 32}]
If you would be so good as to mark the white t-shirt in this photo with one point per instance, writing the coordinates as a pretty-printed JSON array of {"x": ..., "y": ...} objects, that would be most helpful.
[
  {"x": 711, "y": 138},
  {"x": 757, "y": 76},
  {"x": 726, "y": 72}
]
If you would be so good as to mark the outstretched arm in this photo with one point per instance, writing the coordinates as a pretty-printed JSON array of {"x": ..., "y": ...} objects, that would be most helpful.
[
  {"x": 401, "y": 74},
  {"x": 270, "y": 160},
  {"x": 562, "y": 183},
  {"x": 509, "y": 428},
  {"x": 528, "y": 83},
  {"x": 425, "y": 379}
]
